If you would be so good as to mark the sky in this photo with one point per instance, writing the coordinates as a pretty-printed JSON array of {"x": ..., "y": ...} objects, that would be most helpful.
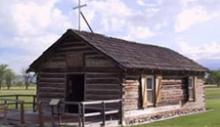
[{"x": 190, "y": 27}]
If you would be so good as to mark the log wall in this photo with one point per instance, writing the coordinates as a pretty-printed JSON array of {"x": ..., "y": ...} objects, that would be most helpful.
[
  {"x": 51, "y": 84},
  {"x": 102, "y": 76},
  {"x": 131, "y": 94},
  {"x": 172, "y": 91},
  {"x": 171, "y": 103},
  {"x": 102, "y": 86}
]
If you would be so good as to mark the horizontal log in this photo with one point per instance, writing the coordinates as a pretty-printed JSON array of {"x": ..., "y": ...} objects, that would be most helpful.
[
  {"x": 72, "y": 47},
  {"x": 73, "y": 50},
  {"x": 72, "y": 44},
  {"x": 102, "y": 78},
  {"x": 52, "y": 74},
  {"x": 132, "y": 77},
  {"x": 93, "y": 69},
  {"x": 99, "y": 63},
  {"x": 73, "y": 41},
  {"x": 58, "y": 59},
  {"x": 51, "y": 79},
  {"x": 102, "y": 74},
  {"x": 53, "y": 70},
  {"x": 96, "y": 81},
  {"x": 51, "y": 89},
  {"x": 103, "y": 86},
  {"x": 99, "y": 56},
  {"x": 91, "y": 53},
  {"x": 51, "y": 94},
  {"x": 50, "y": 84},
  {"x": 98, "y": 97},
  {"x": 103, "y": 92}
]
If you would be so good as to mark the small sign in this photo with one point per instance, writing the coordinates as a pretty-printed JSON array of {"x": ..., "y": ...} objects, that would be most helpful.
[{"x": 54, "y": 102}]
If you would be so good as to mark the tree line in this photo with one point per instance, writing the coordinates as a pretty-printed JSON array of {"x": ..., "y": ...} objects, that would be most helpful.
[
  {"x": 213, "y": 77},
  {"x": 9, "y": 78}
]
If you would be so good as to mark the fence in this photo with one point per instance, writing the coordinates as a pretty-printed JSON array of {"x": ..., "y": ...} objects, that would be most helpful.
[
  {"x": 15, "y": 100},
  {"x": 82, "y": 106}
]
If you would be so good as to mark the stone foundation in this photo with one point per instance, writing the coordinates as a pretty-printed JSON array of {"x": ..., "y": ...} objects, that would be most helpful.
[{"x": 160, "y": 116}]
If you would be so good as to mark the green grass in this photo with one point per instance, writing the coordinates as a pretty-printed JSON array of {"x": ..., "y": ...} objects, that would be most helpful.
[
  {"x": 212, "y": 93},
  {"x": 21, "y": 91},
  {"x": 207, "y": 119},
  {"x": 18, "y": 90}
]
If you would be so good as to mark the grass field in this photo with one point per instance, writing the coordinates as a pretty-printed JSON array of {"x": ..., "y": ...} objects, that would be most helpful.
[
  {"x": 21, "y": 91},
  {"x": 211, "y": 118},
  {"x": 18, "y": 90}
]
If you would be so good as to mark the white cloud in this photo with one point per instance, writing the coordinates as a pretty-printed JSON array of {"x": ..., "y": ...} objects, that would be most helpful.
[
  {"x": 141, "y": 2},
  {"x": 114, "y": 16},
  {"x": 203, "y": 51},
  {"x": 187, "y": 2},
  {"x": 30, "y": 26},
  {"x": 110, "y": 14},
  {"x": 191, "y": 16},
  {"x": 136, "y": 33}
]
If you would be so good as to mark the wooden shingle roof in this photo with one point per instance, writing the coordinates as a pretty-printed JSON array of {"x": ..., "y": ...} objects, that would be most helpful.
[{"x": 138, "y": 56}]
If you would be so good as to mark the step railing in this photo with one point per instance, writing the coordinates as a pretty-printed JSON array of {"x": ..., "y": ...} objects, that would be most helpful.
[{"x": 101, "y": 111}]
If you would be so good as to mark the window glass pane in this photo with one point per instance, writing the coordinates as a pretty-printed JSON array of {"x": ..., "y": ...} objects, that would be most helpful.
[
  {"x": 191, "y": 94},
  {"x": 190, "y": 82},
  {"x": 150, "y": 96},
  {"x": 149, "y": 83}
]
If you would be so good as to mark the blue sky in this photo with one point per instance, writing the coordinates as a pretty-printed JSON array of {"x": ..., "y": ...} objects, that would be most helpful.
[{"x": 190, "y": 27}]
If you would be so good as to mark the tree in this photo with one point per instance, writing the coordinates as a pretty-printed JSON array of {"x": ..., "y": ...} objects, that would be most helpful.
[
  {"x": 9, "y": 77},
  {"x": 214, "y": 77},
  {"x": 3, "y": 68},
  {"x": 27, "y": 77}
]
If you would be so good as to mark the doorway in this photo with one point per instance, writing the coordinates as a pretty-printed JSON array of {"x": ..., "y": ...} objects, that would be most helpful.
[{"x": 74, "y": 91}]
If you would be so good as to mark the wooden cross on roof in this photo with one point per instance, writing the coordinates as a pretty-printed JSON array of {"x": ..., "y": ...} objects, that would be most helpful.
[{"x": 81, "y": 14}]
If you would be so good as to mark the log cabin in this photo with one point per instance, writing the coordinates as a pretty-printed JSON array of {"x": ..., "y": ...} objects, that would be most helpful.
[{"x": 152, "y": 82}]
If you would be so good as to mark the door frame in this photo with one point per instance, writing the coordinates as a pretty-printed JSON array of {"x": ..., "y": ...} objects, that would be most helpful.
[{"x": 66, "y": 81}]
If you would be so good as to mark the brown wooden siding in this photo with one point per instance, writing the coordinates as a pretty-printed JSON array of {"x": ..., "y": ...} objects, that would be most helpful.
[
  {"x": 102, "y": 77},
  {"x": 51, "y": 85},
  {"x": 172, "y": 91},
  {"x": 101, "y": 86},
  {"x": 131, "y": 94}
]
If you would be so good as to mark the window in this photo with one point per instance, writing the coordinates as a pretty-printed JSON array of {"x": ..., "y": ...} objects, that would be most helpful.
[
  {"x": 150, "y": 90},
  {"x": 191, "y": 89}
]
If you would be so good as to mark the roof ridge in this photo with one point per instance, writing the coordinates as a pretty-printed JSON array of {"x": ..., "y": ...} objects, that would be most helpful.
[{"x": 119, "y": 39}]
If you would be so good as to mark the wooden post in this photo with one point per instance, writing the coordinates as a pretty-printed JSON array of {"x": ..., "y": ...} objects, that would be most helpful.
[
  {"x": 79, "y": 114},
  {"x": 103, "y": 114},
  {"x": 83, "y": 115},
  {"x": 40, "y": 116},
  {"x": 6, "y": 109},
  {"x": 121, "y": 113},
  {"x": 16, "y": 102},
  {"x": 5, "y": 112},
  {"x": 22, "y": 113},
  {"x": 52, "y": 113},
  {"x": 34, "y": 103}
]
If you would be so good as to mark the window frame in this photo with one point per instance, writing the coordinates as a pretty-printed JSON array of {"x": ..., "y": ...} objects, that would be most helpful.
[
  {"x": 191, "y": 89},
  {"x": 152, "y": 90}
]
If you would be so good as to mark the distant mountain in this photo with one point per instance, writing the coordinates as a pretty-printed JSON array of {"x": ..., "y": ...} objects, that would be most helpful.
[{"x": 211, "y": 64}]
